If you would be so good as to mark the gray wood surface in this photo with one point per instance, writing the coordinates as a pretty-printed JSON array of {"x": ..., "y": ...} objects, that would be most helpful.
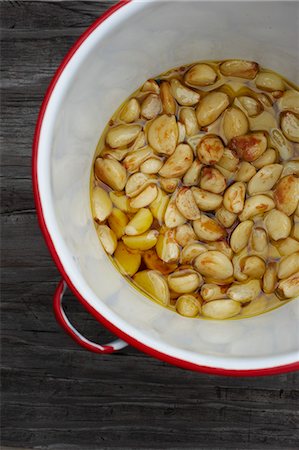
[{"x": 55, "y": 395}]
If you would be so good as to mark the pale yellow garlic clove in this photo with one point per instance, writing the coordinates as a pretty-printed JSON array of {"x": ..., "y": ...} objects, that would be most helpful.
[
  {"x": 221, "y": 309},
  {"x": 190, "y": 252},
  {"x": 246, "y": 172},
  {"x": 114, "y": 153},
  {"x": 159, "y": 205},
  {"x": 117, "y": 222},
  {"x": 184, "y": 234},
  {"x": 251, "y": 105},
  {"x": 264, "y": 179},
  {"x": 245, "y": 292},
  {"x": 151, "y": 106},
  {"x": 278, "y": 224},
  {"x": 121, "y": 201},
  {"x": 258, "y": 204},
  {"x": 259, "y": 240},
  {"x": 183, "y": 95},
  {"x": 167, "y": 248},
  {"x": 234, "y": 123},
  {"x": 107, "y": 238},
  {"x": 192, "y": 176},
  {"x": 151, "y": 86},
  {"x": 290, "y": 168},
  {"x": 188, "y": 118},
  {"x": 286, "y": 194},
  {"x": 212, "y": 180},
  {"x": 205, "y": 200},
  {"x": 221, "y": 246},
  {"x": 225, "y": 217},
  {"x": 143, "y": 241},
  {"x": 168, "y": 102},
  {"x": 136, "y": 183},
  {"x": 288, "y": 246},
  {"x": 208, "y": 229},
  {"x": 210, "y": 292},
  {"x": 153, "y": 262},
  {"x": 289, "y": 101},
  {"x": 240, "y": 68},
  {"x": 186, "y": 204},
  {"x": 229, "y": 160},
  {"x": 101, "y": 204},
  {"x": 169, "y": 184},
  {"x": 234, "y": 197},
  {"x": 134, "y": 159},
  {"x": 269, "y": 157},
  {"x": 201, "y": 75},
  {"x": 131, "y": 111},
  {"x": 173, "y": 218},
  {"x": 210, "y": 108},
  {"x": 237, "y": 265},
  {"x": 214, "y": 264},
  {"x": 283, "y": 147},
  {"x": 122, "y": 135},
  {"x": 289, "y": 123},
  {"x": 178, "y": 163},
  {"x": 154, "y": 284},
  {"x": 139, "y": 223},
  {"x": 163, "y": 134},
  {"x": 269, "y": 81},
  {"x": 188, "y": 305},
  {"x": 288, "y": 265},
  {"x": 270, "y": 278},
  {"x": 184, "y": 281},
  {"x": 289, "y": 287},
  {"x": 145, "y": 198},
  {"x": 151, "y": 165},
  {"x": 127, "y": 262},
  {"x": 240, "y": 236},
  {"x": 110, "y": 172},
  {"x": 253, "y": 266},
  {"x": 210, "y": 150}
]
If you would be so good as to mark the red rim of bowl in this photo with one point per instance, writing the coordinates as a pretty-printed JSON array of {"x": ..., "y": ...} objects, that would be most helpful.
[{"x": 129, "y": 339}]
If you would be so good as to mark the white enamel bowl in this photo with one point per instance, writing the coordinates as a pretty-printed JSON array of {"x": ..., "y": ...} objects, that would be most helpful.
[{"x": 131, "y": 42}]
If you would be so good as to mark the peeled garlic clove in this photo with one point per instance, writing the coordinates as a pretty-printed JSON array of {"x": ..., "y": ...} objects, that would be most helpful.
[
  {"x": 288, "y": 246},
  {"x": 206, "y": 201},
  {"x": 278, "y": 224},
  {"x": 252, "y": 106},
  {"x": 245, "y": 292},
  {"x": 289, "y": 101},
  {"x": 127, "y": 262},
  {"x": 168, "y": 102},
  {"x": 117, "y": 222},
  {"x": 186, "y": 204},
  {"x": 178, "y": 163},
  {"x": 208, "y": 229},
  {"x": 264, "y": 179},
  {"x": 269, "y": 157},
  {"x": 289, "y": 123},
  {"x": 140, "y": 223},
  {"x": 225, "y": 217},
  {"x": 122, "y": 135},
  {"x": 101, "y": 204},
  {"x": 210, "y": 108},
  {"x": 237, "y": 265},
  {"x": 169, "y": 184},
  {"x": 234, "y": 123},
  {"x": 143, "y": 241},
  {"x": 183, "y": 95},
  {"x": 270, "y": 278},
  {"x": 212, "y": 180},
  {"x": 258, "y": 204},
  {"x": 286, "y": 194},
  {"x": 210, "y": 292},
  {"x": 151, "y": 165},
  {"x": 134, "y": 159},
  {"x": 173, "y": 218},
  {"x": 153, "y": 262},
  {"x": 184, "y": 234},
  {"x": 240, "y": 68},
  {"x": 136, "y": 183},
  {"x": 253, "y": 267},
  {"x": 229, "y": 160},
  {"x": 288, "y": 265},
  {"x": 145, "y": 198},
  {"x": 214, "y": 264},
  {"x": 182, "y": 132},
  {"x": 167, "y": 248},
  {"x": 201, "y": 75},
  {"x": 154, "y": 284},
  {"x": 188, "y": 118},
  {"x": 113, "y": 153},
  {"x": 151, "y": 86},
  {"x": 249, "y": 146},
  {"x": 210, "y": 150},
  {"x": 163, "y": 134},
  {"x": 246, "y": 172},
  {"x": 190, "y": 252},
  {"x": 240, "y": 236},
  {"x": 192, "y": 176},
  {"x": 131, "y": 111},
  {"x": 283, "y": 147},
  {"x": 289, "y": 287},
  {"x": 290, "y": 168},
  {"x": 188, "y": 305},
  {"x": 184, "y": 281},
  {"x": 110, "y": 172},
  {"x": 151, "y": 106},
  {"x": 269, "y": 81},
  {"x": 259, "y": 240},
  {"x": 234, "y": 197},
  {"x": 221, "y": 309},
  {"x": 121, "y": 201},
  {"x": 159, "y": 205},
  {"x": 107, "y": 238}
]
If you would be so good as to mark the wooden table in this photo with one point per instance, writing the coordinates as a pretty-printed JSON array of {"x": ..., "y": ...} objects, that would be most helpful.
[{"x": 56, "y": 395}]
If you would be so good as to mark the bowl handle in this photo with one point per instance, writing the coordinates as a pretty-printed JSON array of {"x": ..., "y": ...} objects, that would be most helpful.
[{"x": 62, "y": 319}]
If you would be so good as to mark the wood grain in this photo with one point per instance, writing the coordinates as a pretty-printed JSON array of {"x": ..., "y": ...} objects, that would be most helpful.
[{"x": 54, "y": 394}]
